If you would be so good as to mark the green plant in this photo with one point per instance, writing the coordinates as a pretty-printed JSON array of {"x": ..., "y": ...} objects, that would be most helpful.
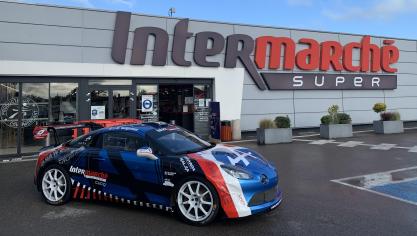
[
  {"x": 344, "y": 118},
  {"x": 326, "y": 119},
  {"x": 334, "y": 117},
  {"x": 267, "y": 124},
  {"x": 390, "y": 116},
  {"x": 282, "y": 122},
  {"x": 379, "y": 107},
  {"x": 333, "y": 110}
]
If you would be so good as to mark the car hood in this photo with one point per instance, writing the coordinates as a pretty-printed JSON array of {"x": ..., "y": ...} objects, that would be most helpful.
[{"x": 240, "y": 157}]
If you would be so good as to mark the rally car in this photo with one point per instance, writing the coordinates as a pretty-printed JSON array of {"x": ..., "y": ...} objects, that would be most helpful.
[{"x": 159, "y": 166}]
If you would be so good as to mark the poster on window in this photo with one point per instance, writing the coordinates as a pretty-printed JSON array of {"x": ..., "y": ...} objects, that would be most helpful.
[
  {"x": 147, "y": 103},
  {"x": 98, "y": 112}
]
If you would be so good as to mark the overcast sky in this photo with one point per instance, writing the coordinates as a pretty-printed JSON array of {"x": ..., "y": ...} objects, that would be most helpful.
[{"x": 395, "y": 18}]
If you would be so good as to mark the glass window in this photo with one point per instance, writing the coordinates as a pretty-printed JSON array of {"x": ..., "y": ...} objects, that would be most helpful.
[
  {"x": 63, "y": 103},
  {"x": 177, "y": 141},
  {"x": 9, "y": 110},
  {"x": 147, "y": 92},
  {"x": 81, "y": 141},
  {"x": 35, "y": 112},
  {"x": 122, "y": 141}
]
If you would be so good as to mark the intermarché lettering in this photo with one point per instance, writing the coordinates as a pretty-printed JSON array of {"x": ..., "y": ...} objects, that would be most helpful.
[{"x": 238, "y": 47}]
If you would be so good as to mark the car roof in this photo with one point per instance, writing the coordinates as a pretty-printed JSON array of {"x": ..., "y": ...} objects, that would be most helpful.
[{"x": 140, "y": 129}]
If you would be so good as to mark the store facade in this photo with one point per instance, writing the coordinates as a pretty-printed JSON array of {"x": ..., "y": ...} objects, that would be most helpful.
[{"x": 60, "y": 65}]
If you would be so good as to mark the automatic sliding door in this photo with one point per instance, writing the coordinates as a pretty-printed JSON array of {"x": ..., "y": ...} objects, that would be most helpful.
[
  {"x": 9, "y": 117},
  {"x": 35, "y": 112},
  {"x": 121, "y": 103},
  {"x": 99, "y": 104}
]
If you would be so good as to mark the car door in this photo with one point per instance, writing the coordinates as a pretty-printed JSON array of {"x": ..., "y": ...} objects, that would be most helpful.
[{"x": 129, "y": 176}]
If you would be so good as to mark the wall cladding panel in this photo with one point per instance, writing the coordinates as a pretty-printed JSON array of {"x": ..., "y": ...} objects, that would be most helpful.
[
  {"x": 251, "y": 122},
  {"x": 282, "y": 106},
  {"x": 35, "y": 14},
  {"x": 33, "y": 52},
  {"x": 315, "y": 105},
  {"x": 39, "y": 34},
  {"x": 251, "y": 91},
  {"x": 308, "y": 119}
]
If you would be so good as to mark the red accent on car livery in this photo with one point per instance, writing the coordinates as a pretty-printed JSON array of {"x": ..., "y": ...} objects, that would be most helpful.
[{"x": 212, "y": 173}]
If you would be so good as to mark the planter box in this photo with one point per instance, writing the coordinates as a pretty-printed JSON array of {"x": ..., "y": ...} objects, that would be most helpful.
[
  {"x": 271, "y": 136},
  {"x": 336, "y": 131},
  {"x": 388, "y": 127}
]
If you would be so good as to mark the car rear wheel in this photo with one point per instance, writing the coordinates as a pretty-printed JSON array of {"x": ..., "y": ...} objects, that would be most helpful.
[
  {"x": 55, "y": 185},
  {"x": 197, "y": 202}
]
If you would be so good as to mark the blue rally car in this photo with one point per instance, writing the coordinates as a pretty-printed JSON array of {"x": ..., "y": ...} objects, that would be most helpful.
[{"x": 159, "y": 166}]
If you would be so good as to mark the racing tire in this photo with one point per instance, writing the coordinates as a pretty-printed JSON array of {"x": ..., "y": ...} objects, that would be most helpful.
[
  {"x": 196, "y": 201},
  {"x": 55, "y": 185}
]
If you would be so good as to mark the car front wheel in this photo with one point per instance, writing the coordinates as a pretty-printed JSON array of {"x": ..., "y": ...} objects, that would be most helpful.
[
  {"x": 55, "y": 185},
  {"x": 197, "y": 202}
]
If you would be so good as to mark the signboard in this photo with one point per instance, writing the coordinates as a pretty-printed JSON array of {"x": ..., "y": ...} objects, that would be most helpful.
[
  {"x": 214, "y": 117},
  {"x": 98, "y": 112},
  {"x": 320, "y": 81},
  {"x": 147, "y": 103},
  {"x": 284, "y": 53}
]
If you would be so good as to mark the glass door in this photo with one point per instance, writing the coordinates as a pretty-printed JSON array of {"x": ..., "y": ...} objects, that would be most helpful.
[
  {"x": 147, "y": 108},
  {"x": 121, "y": 103},
  {"x": 110, "y": 102},
  {"x": 9, "y": 118},
  {"x": 99, "y": 104}
]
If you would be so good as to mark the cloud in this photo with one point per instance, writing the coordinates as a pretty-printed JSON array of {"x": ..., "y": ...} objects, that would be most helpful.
[
  {"x": 382, "y": 9},
  {"x": 304, "y": 3}
]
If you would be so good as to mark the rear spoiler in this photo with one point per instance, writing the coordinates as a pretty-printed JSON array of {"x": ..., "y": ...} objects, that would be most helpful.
[{"x": 54, "y": 132}]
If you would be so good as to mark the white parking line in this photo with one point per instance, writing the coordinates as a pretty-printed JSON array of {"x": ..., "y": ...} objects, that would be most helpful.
[
  {"x": 413, "y": 149},
  {"x": 322, "y": 141},
  {"x": 375, "y": 192},
  {"x": 16, "y": 160},
  {"x": 383, "y": 146},
  {"x": 350, "y": 144},
  {"x": 389, "y": 181}
]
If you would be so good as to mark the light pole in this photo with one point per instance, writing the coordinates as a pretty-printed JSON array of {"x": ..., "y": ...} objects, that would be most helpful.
[{"x": 171, "y": 11}]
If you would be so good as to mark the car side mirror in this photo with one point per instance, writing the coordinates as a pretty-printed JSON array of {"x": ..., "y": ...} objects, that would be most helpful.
[{"x": 146, "y": 152}]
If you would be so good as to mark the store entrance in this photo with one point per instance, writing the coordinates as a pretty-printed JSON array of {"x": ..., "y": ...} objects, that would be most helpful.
[
  {"x": 176, "y": 105},
  {"x": 110, "y": 102}
]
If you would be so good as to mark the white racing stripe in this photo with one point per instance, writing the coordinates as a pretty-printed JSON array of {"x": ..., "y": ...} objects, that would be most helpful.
[{"x": 233, "y": 185}]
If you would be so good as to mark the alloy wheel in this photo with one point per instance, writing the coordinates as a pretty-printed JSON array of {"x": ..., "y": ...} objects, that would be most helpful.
[
  {"x": 195, "y": 201},
  {"x": 54, "y": 185}
]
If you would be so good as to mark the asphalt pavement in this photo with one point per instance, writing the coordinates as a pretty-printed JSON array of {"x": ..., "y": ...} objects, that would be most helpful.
[{"x": 313, "y": 204}]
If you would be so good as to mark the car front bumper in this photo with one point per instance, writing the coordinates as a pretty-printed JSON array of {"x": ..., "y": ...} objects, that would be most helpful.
[{"x": 268, "y": 206}]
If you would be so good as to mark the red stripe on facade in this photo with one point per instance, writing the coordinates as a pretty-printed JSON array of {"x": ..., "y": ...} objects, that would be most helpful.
[
  {"x": 94, "y": 195},
  {"x": 213, "y": 174}
]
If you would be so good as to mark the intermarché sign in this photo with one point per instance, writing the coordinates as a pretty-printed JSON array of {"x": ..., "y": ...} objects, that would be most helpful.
[{"x": 317, "y": 57}]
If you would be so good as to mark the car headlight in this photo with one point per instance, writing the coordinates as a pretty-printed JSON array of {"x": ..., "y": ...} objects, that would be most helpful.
[{"x": 236, "y": 172}]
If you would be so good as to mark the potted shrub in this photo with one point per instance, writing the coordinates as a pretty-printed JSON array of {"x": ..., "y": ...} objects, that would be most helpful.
[
  {"x": 390, "y": 122},
  {"x": 277, "y": 131},
  {"x": 335, "y": 124}
]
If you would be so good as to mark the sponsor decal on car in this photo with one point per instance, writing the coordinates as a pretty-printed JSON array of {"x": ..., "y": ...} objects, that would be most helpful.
[
  {"x": 187, "y": 164},
  {"x": 89, "y": 174}
]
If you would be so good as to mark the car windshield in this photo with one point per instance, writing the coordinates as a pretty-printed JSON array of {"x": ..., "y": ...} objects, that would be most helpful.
[{"x": 177, "y": 141}]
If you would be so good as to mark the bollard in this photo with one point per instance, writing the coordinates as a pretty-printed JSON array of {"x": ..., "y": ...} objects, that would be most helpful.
[{"x": 236, "y": 132}]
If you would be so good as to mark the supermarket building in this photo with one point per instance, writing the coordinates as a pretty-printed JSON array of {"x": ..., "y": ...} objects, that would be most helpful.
[{"x": 62, "y": 64}]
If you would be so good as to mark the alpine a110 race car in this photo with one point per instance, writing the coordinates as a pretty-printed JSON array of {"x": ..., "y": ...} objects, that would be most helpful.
[{"x": 160, "y": 166}]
